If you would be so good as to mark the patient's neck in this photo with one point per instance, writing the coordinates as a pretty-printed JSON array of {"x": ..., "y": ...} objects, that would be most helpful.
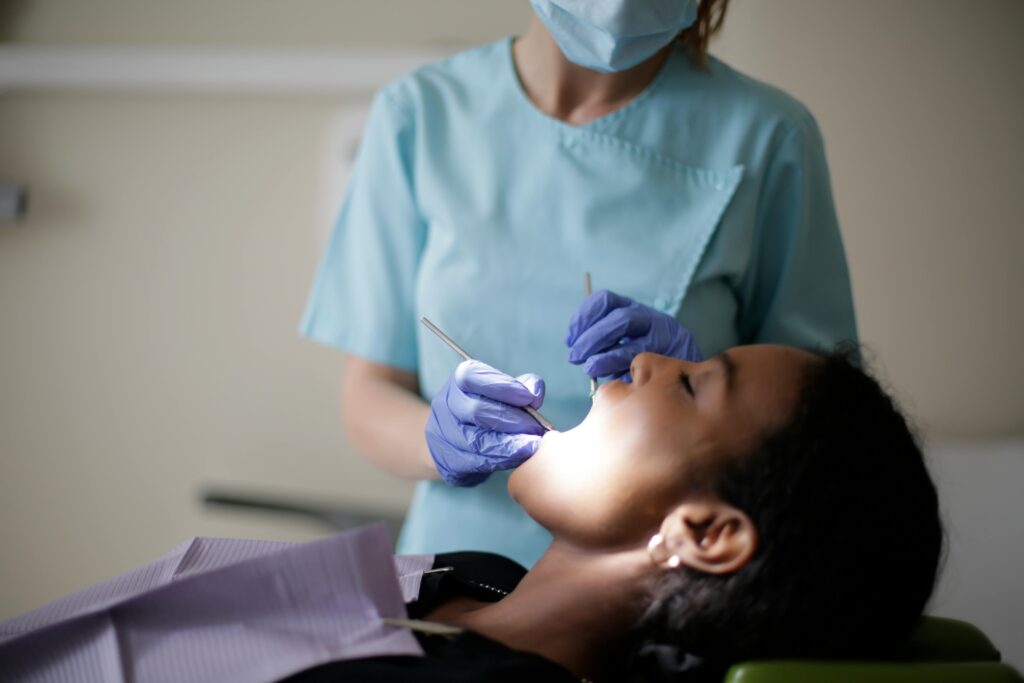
[{"x": 573, "y": 607}]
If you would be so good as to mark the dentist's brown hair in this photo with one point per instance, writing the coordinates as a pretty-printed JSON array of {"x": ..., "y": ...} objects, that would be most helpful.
[{"x": 710, "y": 17}]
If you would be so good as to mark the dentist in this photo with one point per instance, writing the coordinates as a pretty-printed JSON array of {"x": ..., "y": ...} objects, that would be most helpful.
[{"x": 604, "y": 139}]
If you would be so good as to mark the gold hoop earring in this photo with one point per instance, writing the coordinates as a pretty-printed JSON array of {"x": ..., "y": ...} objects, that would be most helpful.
[{"x": 658, "y": 553}]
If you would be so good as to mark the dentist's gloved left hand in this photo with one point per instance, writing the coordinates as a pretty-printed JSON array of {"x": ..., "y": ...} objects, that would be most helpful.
[
  {"x": 608, "y": 330},
  {"x": 477, "y": 424}
]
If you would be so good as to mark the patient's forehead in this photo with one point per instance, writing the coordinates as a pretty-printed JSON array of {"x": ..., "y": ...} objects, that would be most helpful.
[
  {"x": 764, "y": 386},
  {"x": 770, "y": 367}
]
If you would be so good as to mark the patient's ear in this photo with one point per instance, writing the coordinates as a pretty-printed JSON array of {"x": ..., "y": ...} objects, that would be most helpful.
[{"x": 709, "y": 535}]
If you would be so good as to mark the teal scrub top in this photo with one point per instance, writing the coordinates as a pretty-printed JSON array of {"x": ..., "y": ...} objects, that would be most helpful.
[{"x": 707, "y": 197}]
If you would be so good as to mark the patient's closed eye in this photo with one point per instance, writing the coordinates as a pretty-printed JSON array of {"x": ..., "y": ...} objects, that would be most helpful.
[{"x": 685, "y": 379}]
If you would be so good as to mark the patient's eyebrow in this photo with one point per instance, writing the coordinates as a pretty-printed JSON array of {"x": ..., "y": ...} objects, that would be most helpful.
[{"x": 729, "y": 367}]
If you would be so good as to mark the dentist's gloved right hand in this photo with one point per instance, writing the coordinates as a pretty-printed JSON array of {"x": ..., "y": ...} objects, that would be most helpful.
[
  {"x": 608, "y": 330},
  {"x": 477, "y": 424}
]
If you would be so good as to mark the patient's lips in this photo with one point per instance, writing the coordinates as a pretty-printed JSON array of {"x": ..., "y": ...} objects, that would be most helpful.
[
  {"x": 608, "y": 394},
  {"x": 550, "y": 436},
  {"x": 607, "y": 389}
]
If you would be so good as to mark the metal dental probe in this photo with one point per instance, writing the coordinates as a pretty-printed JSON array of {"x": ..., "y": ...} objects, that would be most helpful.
[
  {"x": 587, "y": 291},
  {"x": 535, "y": 414}
]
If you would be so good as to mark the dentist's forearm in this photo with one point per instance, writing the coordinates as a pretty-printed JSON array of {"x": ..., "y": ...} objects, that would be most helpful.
[{"x": 384, "y": 416}]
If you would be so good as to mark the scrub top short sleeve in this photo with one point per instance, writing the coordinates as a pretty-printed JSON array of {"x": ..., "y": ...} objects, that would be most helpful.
[
  {"x": 362, "y": 301},
  {"x": 798, "y": 285}
]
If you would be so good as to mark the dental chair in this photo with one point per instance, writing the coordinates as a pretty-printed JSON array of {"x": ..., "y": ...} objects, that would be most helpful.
[{"x": 940, "y": 650}]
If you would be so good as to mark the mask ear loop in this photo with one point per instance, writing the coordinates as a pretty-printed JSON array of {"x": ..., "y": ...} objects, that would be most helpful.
[{"x": 658, "y": 553}]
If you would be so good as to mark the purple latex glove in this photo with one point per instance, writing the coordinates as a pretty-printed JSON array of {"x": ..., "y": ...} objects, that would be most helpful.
[
  {"x": 608, "y": 330},
  {"x": 477, "y": 424}
]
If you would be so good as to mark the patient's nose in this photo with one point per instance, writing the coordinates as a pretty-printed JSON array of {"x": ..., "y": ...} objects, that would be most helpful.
[
  {"x": 647, "y": 365},
  {"x": 643, "y": 366}
]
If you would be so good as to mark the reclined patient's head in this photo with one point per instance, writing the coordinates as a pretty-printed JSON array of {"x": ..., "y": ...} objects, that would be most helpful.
[{"x": 786, "y": 485}]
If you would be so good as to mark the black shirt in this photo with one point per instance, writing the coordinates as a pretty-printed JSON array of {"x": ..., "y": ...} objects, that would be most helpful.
[{"x": 467, "y": 656}]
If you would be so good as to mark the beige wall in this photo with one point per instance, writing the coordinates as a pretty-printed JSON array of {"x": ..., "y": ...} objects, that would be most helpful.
[
  {"x": 295, "y": 23},
  {"x": 148, "y": 305}
]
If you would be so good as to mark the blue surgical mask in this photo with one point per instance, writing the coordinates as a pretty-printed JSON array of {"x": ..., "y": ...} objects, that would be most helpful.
[{"x": 613, "y": 35}]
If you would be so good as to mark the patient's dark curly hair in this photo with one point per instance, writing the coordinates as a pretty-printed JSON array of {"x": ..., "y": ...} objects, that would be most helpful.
[{"x": 850, "y": 535}]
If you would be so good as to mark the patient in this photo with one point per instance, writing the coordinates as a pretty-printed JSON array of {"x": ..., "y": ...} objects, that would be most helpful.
[{"x": 768, "y": 502}]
